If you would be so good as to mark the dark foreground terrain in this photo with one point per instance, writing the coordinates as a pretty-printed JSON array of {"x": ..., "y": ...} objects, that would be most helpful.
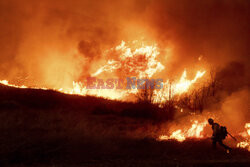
[{"x": 47, "y": 128}]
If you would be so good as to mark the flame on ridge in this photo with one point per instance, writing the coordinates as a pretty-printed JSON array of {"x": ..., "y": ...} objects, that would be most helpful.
[{"x": 140, "y": 62}]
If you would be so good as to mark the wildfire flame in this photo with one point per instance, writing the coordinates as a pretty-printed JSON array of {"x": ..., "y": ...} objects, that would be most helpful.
[
  {"x": 195, "y": 131},
  {"x": 245, "y": 144},
  {"x": 140, "y": 62},
  {"x": 183, "y": 85},
  {"x": 143, "y": 62},
  {"x": 171, "y": 89}
]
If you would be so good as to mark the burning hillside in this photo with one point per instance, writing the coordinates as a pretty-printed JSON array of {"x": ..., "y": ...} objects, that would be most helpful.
[
  {"x": 139, "y": 63},
  {"x": 171, "y": 64},
  {"x": 184, "y": 131},
  {"x": 40, "y": 126}
]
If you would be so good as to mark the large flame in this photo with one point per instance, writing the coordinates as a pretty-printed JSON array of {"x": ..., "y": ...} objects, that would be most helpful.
[{"x": 141, "y": 62}]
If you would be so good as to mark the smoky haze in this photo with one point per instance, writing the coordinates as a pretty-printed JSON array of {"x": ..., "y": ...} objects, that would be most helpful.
[{"x": 52, "y": 43}]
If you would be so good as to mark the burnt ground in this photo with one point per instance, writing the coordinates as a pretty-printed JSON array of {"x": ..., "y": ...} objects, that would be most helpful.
[{"x": 47, "y": 128}]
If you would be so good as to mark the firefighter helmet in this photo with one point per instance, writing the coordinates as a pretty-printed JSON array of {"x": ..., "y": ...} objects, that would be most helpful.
[{"x": 210, "y": 121}]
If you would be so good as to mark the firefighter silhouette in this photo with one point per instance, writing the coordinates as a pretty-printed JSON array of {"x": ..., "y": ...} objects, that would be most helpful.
[{"x": 219, "y": 134}]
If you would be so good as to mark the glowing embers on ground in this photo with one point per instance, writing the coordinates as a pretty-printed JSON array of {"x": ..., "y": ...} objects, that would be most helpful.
[
  {"x": 195, "y": 131},
  {"x": 246, "y": 135}
]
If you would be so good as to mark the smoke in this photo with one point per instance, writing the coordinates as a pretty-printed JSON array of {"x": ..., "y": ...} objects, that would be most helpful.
[
  {"x": 235, "y": 110},
  {"x": 216, "y": 30},
  {"x": 45, "y": 46},
  {"x": 232, "y": 77},
  {"x": 52, "y": 43}
]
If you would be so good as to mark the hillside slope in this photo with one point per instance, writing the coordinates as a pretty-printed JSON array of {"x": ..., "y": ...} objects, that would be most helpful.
[{"x": 48, "y": 128}]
